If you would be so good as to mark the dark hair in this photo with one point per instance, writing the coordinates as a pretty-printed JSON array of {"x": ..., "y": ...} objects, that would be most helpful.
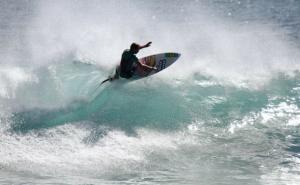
[{"x": 134, "y": 46}]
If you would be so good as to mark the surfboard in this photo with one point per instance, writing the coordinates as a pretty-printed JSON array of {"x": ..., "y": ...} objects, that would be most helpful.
[{"x": 160, "y": 61}]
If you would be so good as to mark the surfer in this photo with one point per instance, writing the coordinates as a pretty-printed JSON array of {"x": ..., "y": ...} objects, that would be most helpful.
[{"x": 129, "y": 62}]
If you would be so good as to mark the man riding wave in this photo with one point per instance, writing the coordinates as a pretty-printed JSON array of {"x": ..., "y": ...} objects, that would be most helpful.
[{"x": 129, "y": 63}]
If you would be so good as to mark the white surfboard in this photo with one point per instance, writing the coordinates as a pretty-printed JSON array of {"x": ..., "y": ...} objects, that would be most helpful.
[{"x": 160, "y": 61}]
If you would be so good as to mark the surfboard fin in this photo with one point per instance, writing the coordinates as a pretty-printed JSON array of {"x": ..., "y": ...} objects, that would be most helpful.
[
  {"x": 111, "y": 78},
  {"x": 108, "y": 79}
]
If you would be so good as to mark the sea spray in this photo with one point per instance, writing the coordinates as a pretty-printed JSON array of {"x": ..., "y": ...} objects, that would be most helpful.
[{"x": 226, "y": 113}]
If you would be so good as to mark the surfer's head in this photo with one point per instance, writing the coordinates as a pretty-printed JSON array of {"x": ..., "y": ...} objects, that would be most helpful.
[{"x": 134, "y": 48}]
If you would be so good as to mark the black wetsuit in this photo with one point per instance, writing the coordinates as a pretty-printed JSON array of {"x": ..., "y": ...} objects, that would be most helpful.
[{"x": 128, "y": 64}]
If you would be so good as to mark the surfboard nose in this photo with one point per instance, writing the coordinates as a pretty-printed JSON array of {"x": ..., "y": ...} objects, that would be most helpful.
[{"x": 172, "y": 54}]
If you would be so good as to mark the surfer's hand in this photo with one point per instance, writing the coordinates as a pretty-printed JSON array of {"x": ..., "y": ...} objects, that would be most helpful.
[{"x": 148, "y": 44}]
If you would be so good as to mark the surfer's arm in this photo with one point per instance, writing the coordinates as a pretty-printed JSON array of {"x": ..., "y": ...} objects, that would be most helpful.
[
  {"x": 146, "y": 45},
  {"x": 148, "y": 67}
]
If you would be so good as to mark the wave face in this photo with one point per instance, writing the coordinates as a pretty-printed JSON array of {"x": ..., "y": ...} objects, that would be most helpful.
[{"x": 227, "y": 112}]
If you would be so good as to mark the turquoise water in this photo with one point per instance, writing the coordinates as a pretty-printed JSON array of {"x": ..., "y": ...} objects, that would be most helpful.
[{"x": 227, "y": 112}]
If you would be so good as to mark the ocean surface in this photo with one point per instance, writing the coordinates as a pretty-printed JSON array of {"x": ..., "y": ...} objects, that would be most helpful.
[{"x": 226, "y": 113}]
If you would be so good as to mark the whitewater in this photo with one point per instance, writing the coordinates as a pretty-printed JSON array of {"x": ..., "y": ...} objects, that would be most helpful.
[{"x": 227, "y": 112}]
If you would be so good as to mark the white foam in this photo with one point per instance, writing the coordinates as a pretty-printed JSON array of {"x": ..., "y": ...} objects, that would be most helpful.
[
  {"x": 240, "y": 124},
  {"x": 10, "y": 79},
  {"x": 245, "y": 55},
  {"x": 61, "y": 150},
  {"x": 283, "y": 175},
  {"x": 285, "y": 111}
]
